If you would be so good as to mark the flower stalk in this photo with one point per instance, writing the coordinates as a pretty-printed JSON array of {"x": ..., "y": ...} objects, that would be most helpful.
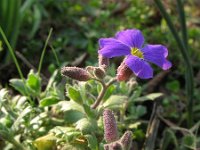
[{"x": 103, "y": 91}]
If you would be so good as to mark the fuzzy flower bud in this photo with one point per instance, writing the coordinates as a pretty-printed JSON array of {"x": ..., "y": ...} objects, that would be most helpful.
[
  {"x": 116, "y": 146},
  {"x": 113, "y": 146},
  {"x": 103, "y": 61},
  {"x": 123, "y": 72},
  {"x": 75, "y": 73},
  {"x": 106, "y": 147},
  {"x": 126, "y": 140},
  {"x": 99, "y": 72},
  {"x": 110, "y": 126}
]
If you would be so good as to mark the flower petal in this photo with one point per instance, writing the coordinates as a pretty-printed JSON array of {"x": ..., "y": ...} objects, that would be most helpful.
[
  {"x": 131, "y": 37},
  {"x": 157, "y": 54},
  {"x": 140, "y": 67},
  {"x": 111, "y": 47}
]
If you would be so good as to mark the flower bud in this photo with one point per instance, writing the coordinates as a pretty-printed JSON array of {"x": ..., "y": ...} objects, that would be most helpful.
[
  {"x": 116, "y": 146},
  {"x": 113, "y": 146},
  {"x": 123, "y": 72},
  {"x": 99, "y": 72},
  {"x": 90, "y": 70},
  {"x": 126, "y": 140},
  {"x": 75, "y": 73},
  {"x": 106, "y": 147},
  {"x": 110, "y": 126},
  {"x": 103, "y": 61}
]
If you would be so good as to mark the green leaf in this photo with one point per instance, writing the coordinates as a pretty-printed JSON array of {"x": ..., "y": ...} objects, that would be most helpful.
[
  {"x": 89, "y": 111},
  {"x": 109, "y": 91},
  {"x": 115, "y": 101},
  {"x": 47, "y": 142},
  {"x": 34, "y": 82},
  {"x": 169, "y": 137},
  {"x": 24, "y": 113},
  {"x": 72, "y": 116},
  {"x": 74, "y": 95},
  {"x": 92, "y": 142},
  {"x": 48, "y": 101},
  {"x": 67, "y": 133},
  {"x": 152, "y": 96},
  {"x": 189, "y": 141},
  {"x": 86, "y": 126},
  {"x": 5, "y": 132},
  {"x": 20, "y": 101},
  {"x": 70, "y": 105},
  {"x": 3, "y": 94},
  {"x": 19, "y": 85}
]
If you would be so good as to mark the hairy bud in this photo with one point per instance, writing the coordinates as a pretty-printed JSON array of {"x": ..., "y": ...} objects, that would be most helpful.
[
  {"x": 106, "y": 147},
  {"x": 103, "y": 61},
  {"x": 113, "y": 146},
  {"x": 75, "y": 73},
  {"x": 123, "y": 72},
  {"x": 126, "y": 140},
  {"x": 116, "y": 146},
  {"x": 110, "y": 126},
  {"x": 99, "y": 72}
]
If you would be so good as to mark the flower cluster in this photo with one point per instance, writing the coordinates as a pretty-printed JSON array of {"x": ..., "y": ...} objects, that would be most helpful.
[{"x": 130, "y": 43}]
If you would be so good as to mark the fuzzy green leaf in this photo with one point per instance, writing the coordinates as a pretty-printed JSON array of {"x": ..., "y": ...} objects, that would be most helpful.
[
  {"x": 74, "y": 95},
  {"x": 34, "y": 82},
  {"x": 92, "y": 142},
  {"x": 152, "y": 96},
  {"x": 86, "y": 126},
  {"x": 72, "y": 116},
  {"x": 115, "y": 101},
  {"x": 18, "y": 85},
  {"x": 48, "y": 101}
]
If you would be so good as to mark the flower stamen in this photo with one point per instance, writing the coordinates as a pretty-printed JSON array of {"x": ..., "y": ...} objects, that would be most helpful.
[{"x": 136, "y": 52}]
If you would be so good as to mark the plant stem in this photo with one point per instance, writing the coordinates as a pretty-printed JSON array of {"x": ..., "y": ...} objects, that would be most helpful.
[
  {"x": 12, "y": 53},
  {"x": 55, "y": 54},
  {"x": 183, "y": 22},
  {"x": 43, "y": 51},
  {"x": 185, "y": 55},
  {"x": 102, "y": 93}
]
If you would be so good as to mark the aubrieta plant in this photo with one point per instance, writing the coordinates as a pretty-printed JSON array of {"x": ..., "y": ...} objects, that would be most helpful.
[
  {"x": 128, "y": 43},
  {"x": 98, "y": 112}
]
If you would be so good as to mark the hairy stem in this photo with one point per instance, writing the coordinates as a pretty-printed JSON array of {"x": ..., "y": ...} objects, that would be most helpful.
[{"x": 102, "y": 93}]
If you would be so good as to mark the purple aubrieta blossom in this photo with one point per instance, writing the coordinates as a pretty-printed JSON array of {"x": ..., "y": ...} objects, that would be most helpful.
[{"x": 130, "y": 43}]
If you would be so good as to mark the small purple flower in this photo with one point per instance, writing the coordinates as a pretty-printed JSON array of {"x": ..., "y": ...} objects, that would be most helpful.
[{"x": 130, "y": 43}]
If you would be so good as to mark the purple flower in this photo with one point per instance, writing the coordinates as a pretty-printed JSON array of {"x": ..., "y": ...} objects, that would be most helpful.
[{"x": 130, "y": 43}]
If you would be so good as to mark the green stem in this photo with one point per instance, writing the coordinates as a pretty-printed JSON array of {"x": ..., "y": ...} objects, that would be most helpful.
[
  {"x": 183, "y": 22},
  {"x": 43, "y": 51},
  {"x": 12, "y": 53},
  {"x": 185, "y": 55},
  {"x": 55, "y": 54},
  {"x": 102, "y": 93}
]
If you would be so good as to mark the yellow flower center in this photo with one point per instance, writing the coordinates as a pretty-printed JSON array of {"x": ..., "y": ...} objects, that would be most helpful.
[{"x": 136, "y": 52}]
